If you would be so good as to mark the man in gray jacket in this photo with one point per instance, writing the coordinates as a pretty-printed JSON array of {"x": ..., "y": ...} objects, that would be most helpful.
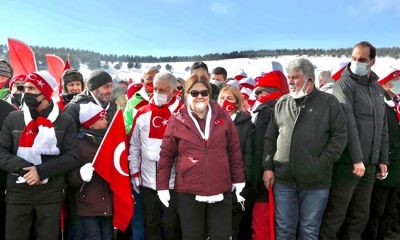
[
  {"x": 306, "y": 135},
  {"x": 362, "y": 100}
]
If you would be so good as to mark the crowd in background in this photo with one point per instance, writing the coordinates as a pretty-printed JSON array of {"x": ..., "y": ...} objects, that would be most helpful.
[{"x": 206, "y": 153}]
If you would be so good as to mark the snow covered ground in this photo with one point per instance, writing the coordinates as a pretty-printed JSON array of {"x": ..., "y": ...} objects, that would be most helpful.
[{"x": 252, "y": 66}]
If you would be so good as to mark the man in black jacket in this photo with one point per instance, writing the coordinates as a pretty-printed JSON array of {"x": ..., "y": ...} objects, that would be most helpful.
[
  {"x": 5, "y": 109},
  {"x": 362, "y": 101},
  {"x": 38, "y": 145},
  {"x": 305, "y": 136}
]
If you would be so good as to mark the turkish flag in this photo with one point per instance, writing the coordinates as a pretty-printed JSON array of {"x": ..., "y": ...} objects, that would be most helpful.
[
  {"x": 111, "y": 163},
  {"x": 56, "y": 68},
  {"x": 21, "y": 56}
]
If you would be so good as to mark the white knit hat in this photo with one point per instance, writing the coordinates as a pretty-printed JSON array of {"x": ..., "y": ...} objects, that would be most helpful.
[{"x": 89, "y": 113}]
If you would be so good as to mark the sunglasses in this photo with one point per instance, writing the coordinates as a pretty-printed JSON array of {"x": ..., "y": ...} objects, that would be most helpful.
[
  {"x": 195, "y": 93},
  {"x": 179, "y": 88}
]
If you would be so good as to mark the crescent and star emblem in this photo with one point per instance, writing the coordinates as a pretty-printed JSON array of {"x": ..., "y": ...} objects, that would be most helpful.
[
  {"x": 160, "y": 123},
  {"x": 117, "y": 156}
]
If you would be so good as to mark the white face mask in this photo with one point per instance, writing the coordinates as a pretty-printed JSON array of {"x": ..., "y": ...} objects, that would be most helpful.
[
  {"x": 301, "y": 93},
  {"x": 160, "y": 99},
  {"x": 216, "y": 82},
  {"x": 395, "y": 87},
  {"x": 359, "y": 68}
]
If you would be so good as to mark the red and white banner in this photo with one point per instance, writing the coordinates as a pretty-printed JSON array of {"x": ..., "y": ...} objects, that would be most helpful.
[
  {"x": 21, "y": 56},
  {"x": 111, "y": 163},
  {"x": 56, "y": 67}
]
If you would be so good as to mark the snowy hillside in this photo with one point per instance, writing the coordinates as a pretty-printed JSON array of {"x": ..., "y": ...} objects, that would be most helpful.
[{"x": 253, "y": 67}]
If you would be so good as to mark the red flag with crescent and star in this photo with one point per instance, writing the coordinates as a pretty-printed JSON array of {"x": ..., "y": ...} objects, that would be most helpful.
[{"x": 111, "y": 163}]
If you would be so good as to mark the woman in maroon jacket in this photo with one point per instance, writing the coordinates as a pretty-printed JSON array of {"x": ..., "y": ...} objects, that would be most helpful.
[{"x": 203, "y": 142}]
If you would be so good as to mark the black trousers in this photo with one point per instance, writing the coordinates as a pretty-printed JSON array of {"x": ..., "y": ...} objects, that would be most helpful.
[
  {"x": 2, "y": 212},
  {"x": 199, "y": 218},
  {"x": 159, "y": 220},
  {"x": 347, "y": 212},
  {"x": 383, "y": 212},
  {"x": 46, "y": 218}
]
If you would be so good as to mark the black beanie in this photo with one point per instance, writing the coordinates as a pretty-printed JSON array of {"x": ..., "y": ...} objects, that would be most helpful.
[
  {"x": 98, "y": 79},
  {"x": 71, "y": 75}
]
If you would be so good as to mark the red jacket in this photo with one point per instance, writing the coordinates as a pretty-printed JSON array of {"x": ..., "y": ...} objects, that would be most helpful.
[{"x": 202, "y": 168}]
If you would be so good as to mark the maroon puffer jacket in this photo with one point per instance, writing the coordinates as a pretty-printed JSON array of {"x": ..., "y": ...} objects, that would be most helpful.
[{"x": 202, "y": 168}]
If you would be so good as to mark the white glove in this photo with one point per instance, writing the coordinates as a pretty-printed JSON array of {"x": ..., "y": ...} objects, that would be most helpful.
[
  {"x": 135, "y": 184},
  {"x": 164, "y": 197},
  {"x": 86, "y": 172},
  {"x": 239, "y": 188}
]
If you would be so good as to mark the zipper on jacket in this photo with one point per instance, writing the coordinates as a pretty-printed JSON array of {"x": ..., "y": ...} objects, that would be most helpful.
[
  {"x": 208, "y": 173},
  {"x": 291, "y": 145}
]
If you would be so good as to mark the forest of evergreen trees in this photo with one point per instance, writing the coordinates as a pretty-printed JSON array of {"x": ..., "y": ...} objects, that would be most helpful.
[{"x": 92, "y": 59}]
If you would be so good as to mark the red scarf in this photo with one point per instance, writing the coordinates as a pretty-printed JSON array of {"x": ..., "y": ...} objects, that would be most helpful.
[
  {"x": 160, "y": 116},
  {"x": 38, "y": 137},
  {"x": 272, "y": 96}
]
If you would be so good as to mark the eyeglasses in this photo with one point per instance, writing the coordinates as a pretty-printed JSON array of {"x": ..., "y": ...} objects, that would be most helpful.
[
  {"x": 195, "y": 93},
  {"x": 179, "y": 88}
]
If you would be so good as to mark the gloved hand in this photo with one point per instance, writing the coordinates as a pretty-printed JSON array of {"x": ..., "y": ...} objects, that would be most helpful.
[
  {"x": 164, "y": 197},
  {"x": 135, "y": 184},
  {"x": 86, "y": 172},
  {"x": 239, "y": 188}
]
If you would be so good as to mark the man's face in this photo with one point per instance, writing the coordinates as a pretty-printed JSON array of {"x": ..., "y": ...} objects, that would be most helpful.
[
  {"x": 104, "y": 92},
  {"x": 218, "y": 77},
  {"x": 201, "y": 72},
  {"x": 361, "y": 54},
  {"x": 261, "y": 92},
  {"x": 18, "y": 87},
  {"x": 149, "y": 77},
  {"x": 74, "y": 87},
  {"x": 296, "y": 81},
  {"x": 322, "y": 81},
  {"x": 164, "y": 87}
]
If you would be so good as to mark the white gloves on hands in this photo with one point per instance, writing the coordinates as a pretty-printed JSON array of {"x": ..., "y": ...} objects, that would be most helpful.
[
  {"x": 135, "y": 184},
  {"x": 164, "y": 197},
  {"x": 239, "y": 188},
  {"x": 86, "y": 172}
]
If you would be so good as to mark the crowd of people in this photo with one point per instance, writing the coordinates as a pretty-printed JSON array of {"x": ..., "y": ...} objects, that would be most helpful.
[{"x": 206, "y": 154}]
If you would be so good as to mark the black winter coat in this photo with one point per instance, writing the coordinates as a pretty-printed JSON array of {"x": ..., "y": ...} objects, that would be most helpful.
[
  {"x": 362, "y": 101},
  {"x": 264, "y": 114},
  {"x": 92, "y": 198},
  {"x": 393, "y": 178},
  {"x": 5, "y": 109},
  {"x": 84, "y": 97},
  {"x": 245, "y": 129},
  {"x": 52, "y": 167}
]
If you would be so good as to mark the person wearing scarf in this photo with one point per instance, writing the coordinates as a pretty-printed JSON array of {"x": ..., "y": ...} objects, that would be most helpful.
[
  {"x": 202, "y": 142},
  {"x": 140, "y": 98},
  {"x": 269, "y": 88},
  {"x": 384, "y": 219},
  {"x": 6, "y": 73},
  {"x": 148, "y": 130},
  {"x": 37, "y": 148},
  {"x": 230, "y": 99}
]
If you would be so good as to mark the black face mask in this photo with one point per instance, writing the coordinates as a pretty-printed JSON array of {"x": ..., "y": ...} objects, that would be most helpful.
[
  {"x": 69, "y": 97},
  {"x": 16, "y": 99},
  {"x": 31, "y": 101}
]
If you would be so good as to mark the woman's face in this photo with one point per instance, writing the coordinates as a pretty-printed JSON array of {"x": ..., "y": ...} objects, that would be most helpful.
[
  {"x": 226, "y": 95},
  {"x": 198, "y": 97}
]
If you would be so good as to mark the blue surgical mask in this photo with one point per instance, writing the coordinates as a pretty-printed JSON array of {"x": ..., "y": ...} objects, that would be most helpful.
[{"x": 359, "y": 68}]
